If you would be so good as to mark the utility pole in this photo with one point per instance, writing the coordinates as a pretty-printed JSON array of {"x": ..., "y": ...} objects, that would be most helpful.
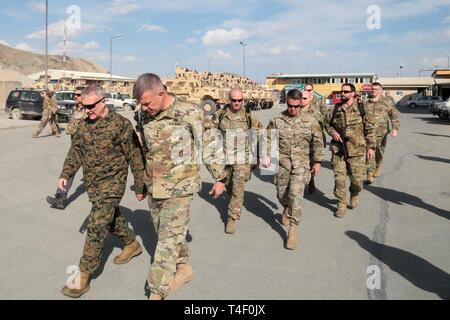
[
  {"x": 110, "y": 59},
  {"x": 46, "y": 44},
  {"x": 243, "y": 47}
]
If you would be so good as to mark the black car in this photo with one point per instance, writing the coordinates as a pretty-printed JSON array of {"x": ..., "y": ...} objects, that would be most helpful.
[
  {"x": 66, "y": 104},
  {"x": 24, "y": 102}
]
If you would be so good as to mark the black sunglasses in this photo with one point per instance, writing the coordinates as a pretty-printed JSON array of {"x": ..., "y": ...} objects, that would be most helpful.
[
  {"x": 237, "y": 100},
  {"x": 346, "y": 91},
  {"x": 309, "y": 90},
  {"x": 292, "y": 106},
  {"x": 78, "y": 94},
  {"x": 92, "y": 106}
]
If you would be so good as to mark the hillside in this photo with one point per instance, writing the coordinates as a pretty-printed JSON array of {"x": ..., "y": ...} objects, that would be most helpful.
[{"x": 28, "y": 62}]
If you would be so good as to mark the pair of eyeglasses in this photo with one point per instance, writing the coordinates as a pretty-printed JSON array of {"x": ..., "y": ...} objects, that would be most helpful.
[
  {"x": 78, "y": 94},
  {"x": 293, "y": 106},
  {"x": 346, "y": 91},
  {"x": 237, "y": 100},
  {"x": 92, "y": 106}
]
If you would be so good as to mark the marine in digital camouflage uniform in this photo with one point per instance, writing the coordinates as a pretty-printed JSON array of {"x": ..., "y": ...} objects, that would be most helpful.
[
  {"x": 300, "y": 138},
  {"x": 49, "y": 109},
  {"x": 104, "y": 145},
  {"x": 385, "y": 116},
  {"x": 173, "y": 137},
  {"x": 351, "y": 127},
  {"x": 239, "y": 126}
]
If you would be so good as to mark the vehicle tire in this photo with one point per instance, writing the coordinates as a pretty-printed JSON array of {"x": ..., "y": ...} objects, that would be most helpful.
[
  {"x": 16, "y": 114},
  {"x": 127, "y": 107},
  {"x": 412, "y": 105},
  {"x": 208, "y": 106},
  {"x": 443, "y": 116}
]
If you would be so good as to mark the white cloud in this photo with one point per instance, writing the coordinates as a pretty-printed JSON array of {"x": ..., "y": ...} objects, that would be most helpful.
[
  {"x": 36, "y": 6},
  {"x": 25, "y": 47},
  {"x": 446, "y": 20},
  {"x": 438, "y": 62},
  {"x": 5, "y": 43},
  {"x": 91, "y": 45},
  {"x": 275, "y": 51},
  {"x": 219, "y": 55},
  {"x": 56, "y": 30},
  {"x": 191, "y": 41},
  {"x": 224, "y": 37},
  {"x": 128, "y": 58},
  {"x": 319, "y": 54},
  {"x": 152, "y": 28},
  {"x": 122, "y": 7}
]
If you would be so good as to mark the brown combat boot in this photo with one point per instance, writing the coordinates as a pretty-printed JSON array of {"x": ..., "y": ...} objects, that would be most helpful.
[
  {"x": 77, "y": 287},
  {"x": 285, "y": 218},
  {"x": 35, "y": 134},
  {"x": 231, "y": 226},
  {"x": 129, "y": 251},
  {"x": 340, "y": 211},
  {"x": 155, "y": 296},
  {"x": 370, "y": 178},
  {"x": 291, "y": 242},
  {"x": 183, "y": 275},
  {"x": 354, "y": 201},
  {"x": 311, "y": 186},
  {"x": 377, "y": 172}
]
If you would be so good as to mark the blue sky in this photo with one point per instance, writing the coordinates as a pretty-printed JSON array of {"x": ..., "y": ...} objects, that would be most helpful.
[{"x": 287, "y": 36}]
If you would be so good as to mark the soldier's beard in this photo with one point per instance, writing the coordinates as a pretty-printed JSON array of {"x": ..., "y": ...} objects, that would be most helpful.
[{"x": 344, "y": 99}]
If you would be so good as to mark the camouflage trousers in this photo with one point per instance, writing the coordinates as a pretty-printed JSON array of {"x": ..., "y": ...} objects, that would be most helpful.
[
  {"x": 238, "y": 175},
  {"x": 290, "y": 182},
  {"x": 105, "y": 216},
  {"x": 170, "y": 219},
  {"x": 355, "y": 168},
  {"x": 46, "y": 118},
  {"x": 372, "y": 164}
]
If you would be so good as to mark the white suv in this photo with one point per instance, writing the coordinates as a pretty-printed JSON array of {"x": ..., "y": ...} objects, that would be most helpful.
[{"x": 120, "y": 101}]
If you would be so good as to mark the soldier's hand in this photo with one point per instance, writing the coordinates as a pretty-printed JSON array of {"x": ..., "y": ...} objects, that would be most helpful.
[
  {"x": 315, "y": 169},
  {"x": 394, "y": 133},
  {"x": 337, "y": 137},
  {"x": 266, "y": 161},
  {"x": 140, "y": 197},
  {"x": 62, "y": 183},
  {"x": 217, "y": 190},
  {"x": 370, "y": 154}
]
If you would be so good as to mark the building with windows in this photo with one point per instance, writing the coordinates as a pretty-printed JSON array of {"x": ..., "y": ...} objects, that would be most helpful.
[{"x": 324, "y": 84}]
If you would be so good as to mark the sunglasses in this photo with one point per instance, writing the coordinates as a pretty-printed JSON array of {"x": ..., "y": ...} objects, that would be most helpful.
[
  {"x": 92, "y": 106},
  {"x": 304, "y": 98},
  {"x": 346, "y": 91},
  {"x": 293, "y": 106},
  {"x": 309, "y": 90},
  {"x": 237, "y": 100},
  {"x": 78, "y": 95}
]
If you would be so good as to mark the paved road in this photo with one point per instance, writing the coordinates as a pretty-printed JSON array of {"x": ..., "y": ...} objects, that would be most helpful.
[{"x": 401, "y": 230}]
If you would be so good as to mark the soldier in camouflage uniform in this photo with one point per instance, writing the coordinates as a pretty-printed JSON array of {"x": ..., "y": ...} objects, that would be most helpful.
[
  {"x": 49, "y": 109},
  {"x": 236, "y": 123},
  {"x": 319, "y": 110},
  {"x": 384, "y": 113},
  {"x": 105, "y": 145},
  {"x": 78, "y": 115},
  {"x": 300, "y": 136},
  {"x": 172, "y": 135},
  {"x": 351, "y": 127}
]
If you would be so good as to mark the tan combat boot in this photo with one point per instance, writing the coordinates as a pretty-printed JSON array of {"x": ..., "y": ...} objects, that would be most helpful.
[
  {"x": 77, "y": 287},
  {"x": 340, "y": 211},
  {"x": 370, "y": 178},
  {"x": 231, "y": 226},
  {"x": 155, "y": 296},
  {"x": 377, "y": 172},
  {"x": 35, "y": 134},
  {"x": 183, "y": 275},
  {"x": 129, "y": 251},
  {"x": 354, "y": 201},
  {"x": 285, "y": 218},
  {"x": 291, "y": 242}
]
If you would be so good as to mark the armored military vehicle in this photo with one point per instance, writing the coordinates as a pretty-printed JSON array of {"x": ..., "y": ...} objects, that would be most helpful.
[{"x": 210, "y": 90}]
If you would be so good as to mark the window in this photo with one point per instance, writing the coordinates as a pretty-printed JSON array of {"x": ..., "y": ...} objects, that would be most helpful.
[
  {"x": 14, "y": 96},
  {"x": 26, "y": 95},
  {"x": 35, "y": 96}
]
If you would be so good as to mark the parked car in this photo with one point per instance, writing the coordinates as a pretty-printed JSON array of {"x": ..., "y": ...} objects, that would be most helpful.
[
  {"x": 120, "y": 101},
  {"x": 24, "y": 103},
  {"x": 66, "y": 103},
  {"x": 425, "y": 101},
  {"x": 436, "y": 108},
  {"x": 445, "y": 111}
]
